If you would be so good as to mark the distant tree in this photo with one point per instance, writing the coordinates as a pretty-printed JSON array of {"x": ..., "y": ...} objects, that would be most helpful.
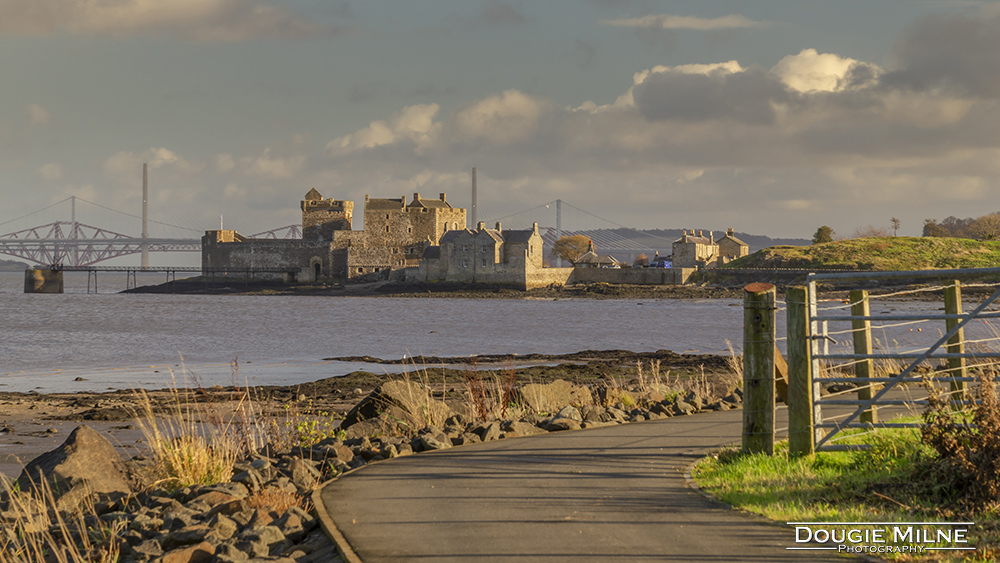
[
  {"x": 895, "y": 225},
  {"x": 641, "y": 260},
  {"x": 986, "y": 227},
  {"x": 570, "y": 248},
  {"x": 871, "y": 231},
  {"x": 934, "y": 229},
  {"x": 823, "y": 234}
]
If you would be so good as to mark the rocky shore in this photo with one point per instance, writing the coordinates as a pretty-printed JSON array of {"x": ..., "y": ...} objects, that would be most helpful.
[
  {"x": 261, "y": 512},
  {"x": 451, "y": 290}
]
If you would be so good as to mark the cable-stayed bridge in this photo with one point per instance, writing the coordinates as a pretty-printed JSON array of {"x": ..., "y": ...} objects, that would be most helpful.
[{"x": 559, "y": 218}]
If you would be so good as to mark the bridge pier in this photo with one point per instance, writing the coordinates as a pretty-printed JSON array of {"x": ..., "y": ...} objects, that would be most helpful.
[{"x": 43, "y": 281}]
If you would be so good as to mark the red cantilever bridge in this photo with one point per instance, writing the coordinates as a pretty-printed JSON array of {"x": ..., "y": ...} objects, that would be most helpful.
[{"x": 73, "y": 243}]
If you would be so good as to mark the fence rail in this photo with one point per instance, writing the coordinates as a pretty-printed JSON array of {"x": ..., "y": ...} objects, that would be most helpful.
[{"x": 873, "y": 371}]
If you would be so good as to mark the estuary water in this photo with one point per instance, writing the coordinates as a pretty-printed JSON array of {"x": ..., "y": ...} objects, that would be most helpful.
[{"x": 93, "y": 342}]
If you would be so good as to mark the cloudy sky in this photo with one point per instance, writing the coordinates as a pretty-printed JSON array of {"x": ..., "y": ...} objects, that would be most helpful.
[{"x": 773, "y": 117}]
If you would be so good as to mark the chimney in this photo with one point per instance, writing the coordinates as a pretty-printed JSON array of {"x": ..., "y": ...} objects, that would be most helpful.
[
  {"x": 366, "y": 197},
  {"x": 730, "y": 232},
  {"x": 499, "y": 228},
  {"x": 711, "y": 236},
  {"x": 416, "y": 197},
  {"x": 481, "y": 226},
  {"x": 701, "y": 233},
  {"x": 534, "y": 228},
  {"x": 442, "y": 196}
]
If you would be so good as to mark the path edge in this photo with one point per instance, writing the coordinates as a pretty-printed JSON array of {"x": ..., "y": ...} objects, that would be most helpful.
[{"x": 329, "y": 526}]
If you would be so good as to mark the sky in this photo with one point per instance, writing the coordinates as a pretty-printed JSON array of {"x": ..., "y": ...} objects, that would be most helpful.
[{"x": 771, "y": 117}]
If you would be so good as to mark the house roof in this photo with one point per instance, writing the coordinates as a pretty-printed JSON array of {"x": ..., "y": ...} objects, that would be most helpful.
[
  {"x": 450, "y": 236},
  {"x": 594, "y": 258},
  {"x": 431, "y": 204},
  {"x": 734, "y": 239},
  {"x": 494, "y": 234},
  {"x": 693, "y": 239},
  {"x": 432, "y": 253},
  {"x": 517, "y": 236},
  {"x": 382, "y": 203},
  {"x": 313, "y": 195}
]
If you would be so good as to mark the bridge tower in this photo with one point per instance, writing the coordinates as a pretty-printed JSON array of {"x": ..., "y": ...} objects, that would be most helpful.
[
  {"x": 475, "y": 199},
  {"x": 145, "y": 219}
]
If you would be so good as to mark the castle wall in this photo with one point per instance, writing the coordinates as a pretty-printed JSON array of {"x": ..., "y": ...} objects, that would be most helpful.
[
  {"x": 635, "y": 276},
  {"x": 320, "y": 218}
]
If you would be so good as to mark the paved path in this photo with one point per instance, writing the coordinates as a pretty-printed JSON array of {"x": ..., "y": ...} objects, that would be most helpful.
[{"x": 605, "y": 494}]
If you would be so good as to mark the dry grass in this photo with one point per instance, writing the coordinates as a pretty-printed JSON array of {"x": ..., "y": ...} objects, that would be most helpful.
[
  {"x": 493, "y": 398},
  {"x": 189, "y": 446},
  {"x": 275, "y": 499},
  {"x": 34, "y": 531}
]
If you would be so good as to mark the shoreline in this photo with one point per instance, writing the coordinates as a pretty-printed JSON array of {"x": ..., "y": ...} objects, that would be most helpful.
[
  {"x": 455, "y": 290},
  {"x": 33, "y": 423}
]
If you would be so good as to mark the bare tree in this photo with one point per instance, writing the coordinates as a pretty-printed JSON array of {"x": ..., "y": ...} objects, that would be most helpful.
[
  {"x": 870, "y": 231},
  {"x": 986, "y": 227},
  {"x": 895, "y": 225}
]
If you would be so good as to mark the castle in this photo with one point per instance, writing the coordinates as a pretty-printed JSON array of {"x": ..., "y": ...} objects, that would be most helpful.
[{"x": 394, "y": 238}]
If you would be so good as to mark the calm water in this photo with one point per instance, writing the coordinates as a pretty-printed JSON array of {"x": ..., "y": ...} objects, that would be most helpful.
[{"x": 116, "y": 341}]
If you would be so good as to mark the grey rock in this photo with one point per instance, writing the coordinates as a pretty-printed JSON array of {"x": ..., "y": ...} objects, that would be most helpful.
[
  {"x": 428, "y": 442},
  {"x": 546, "y": 397},
  {"x": 569, "y": 412},
  {"x": 681, "y": 407},
  {"x": 85, "y": 463},
  {"x": 148, "y": 548},
  {"x": 559, "y": 424},
  {"x": 304, "y": 475}
]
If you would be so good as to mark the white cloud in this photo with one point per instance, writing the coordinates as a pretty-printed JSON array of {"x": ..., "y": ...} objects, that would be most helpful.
[
  {"x": 86, "y": 191},
  {"x": 268, "y": 166},
  {"x": 669, "y": 21},
  {"x": 198, "y": 20},
  {"x": 414, "y": 124},
  {"x": 37, "y": 115},
  {"x": 224, "y": 162},
  {"x": 126, "y": 166},
  {"x": 810, "y": 71},
  {"x": 51, "y": 171},
  {"x": 505, "y": 119}
]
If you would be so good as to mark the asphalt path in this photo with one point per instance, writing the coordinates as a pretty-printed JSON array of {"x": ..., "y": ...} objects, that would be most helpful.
[{"x": 615, "y": 493}]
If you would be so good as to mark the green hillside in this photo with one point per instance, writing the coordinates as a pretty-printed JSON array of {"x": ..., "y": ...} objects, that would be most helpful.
[{"x": 888, "y": 253}]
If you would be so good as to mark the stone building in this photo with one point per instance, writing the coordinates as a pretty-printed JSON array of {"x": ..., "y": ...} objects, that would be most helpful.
[
  {"x": 591, "y": 259},
  {"x": 699, "y": 251},
  {"x": 394, "y": 238},
  {"x": 492, "y": 256},
  {"x": 731, "y": 248},
  {"x": 694, "y": 251}
]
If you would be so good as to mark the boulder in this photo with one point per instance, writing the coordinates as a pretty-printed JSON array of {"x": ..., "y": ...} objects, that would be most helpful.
[
  {"x": 405, "y": 400},
  {"x": 547, "y": 397},
  {"x": 522, "y": 428},
  {"x": 85, "y": 463}
]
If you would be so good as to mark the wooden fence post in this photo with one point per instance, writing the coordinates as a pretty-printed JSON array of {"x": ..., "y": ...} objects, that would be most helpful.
[
  {"x": 956, "y": 344},
  {"x": 758, "y": 368},
  {"x": 801, "y": 437},
  {"x": 863, "y": 345}
]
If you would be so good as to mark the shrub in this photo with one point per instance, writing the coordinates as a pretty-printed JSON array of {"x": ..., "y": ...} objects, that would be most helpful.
[{"x": 969, "y": 454}]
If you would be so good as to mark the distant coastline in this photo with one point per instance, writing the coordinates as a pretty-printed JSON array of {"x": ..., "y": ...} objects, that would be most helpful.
[{"x": 12, "y": 266}]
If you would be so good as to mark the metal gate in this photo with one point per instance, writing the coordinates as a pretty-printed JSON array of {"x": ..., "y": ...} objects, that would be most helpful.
[{"x": 872, "y": 380}]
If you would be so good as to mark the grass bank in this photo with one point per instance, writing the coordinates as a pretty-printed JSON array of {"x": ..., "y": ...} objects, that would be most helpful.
[
  {"x": 897, "y": 480},
  {"x": 882, "y": 253}
]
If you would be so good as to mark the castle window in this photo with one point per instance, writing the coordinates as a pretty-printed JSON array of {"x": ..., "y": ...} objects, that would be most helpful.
[
  {"x": 485, "y": 248},
  {"x": 465, "y": 263},
  {"x": 484, "y": 262},
  {"x": 409, "y": 229},
  {"x": 361, "y": 270},
  {"x": 387, "y": 228},
  {"x": 386, "y": 215}
]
